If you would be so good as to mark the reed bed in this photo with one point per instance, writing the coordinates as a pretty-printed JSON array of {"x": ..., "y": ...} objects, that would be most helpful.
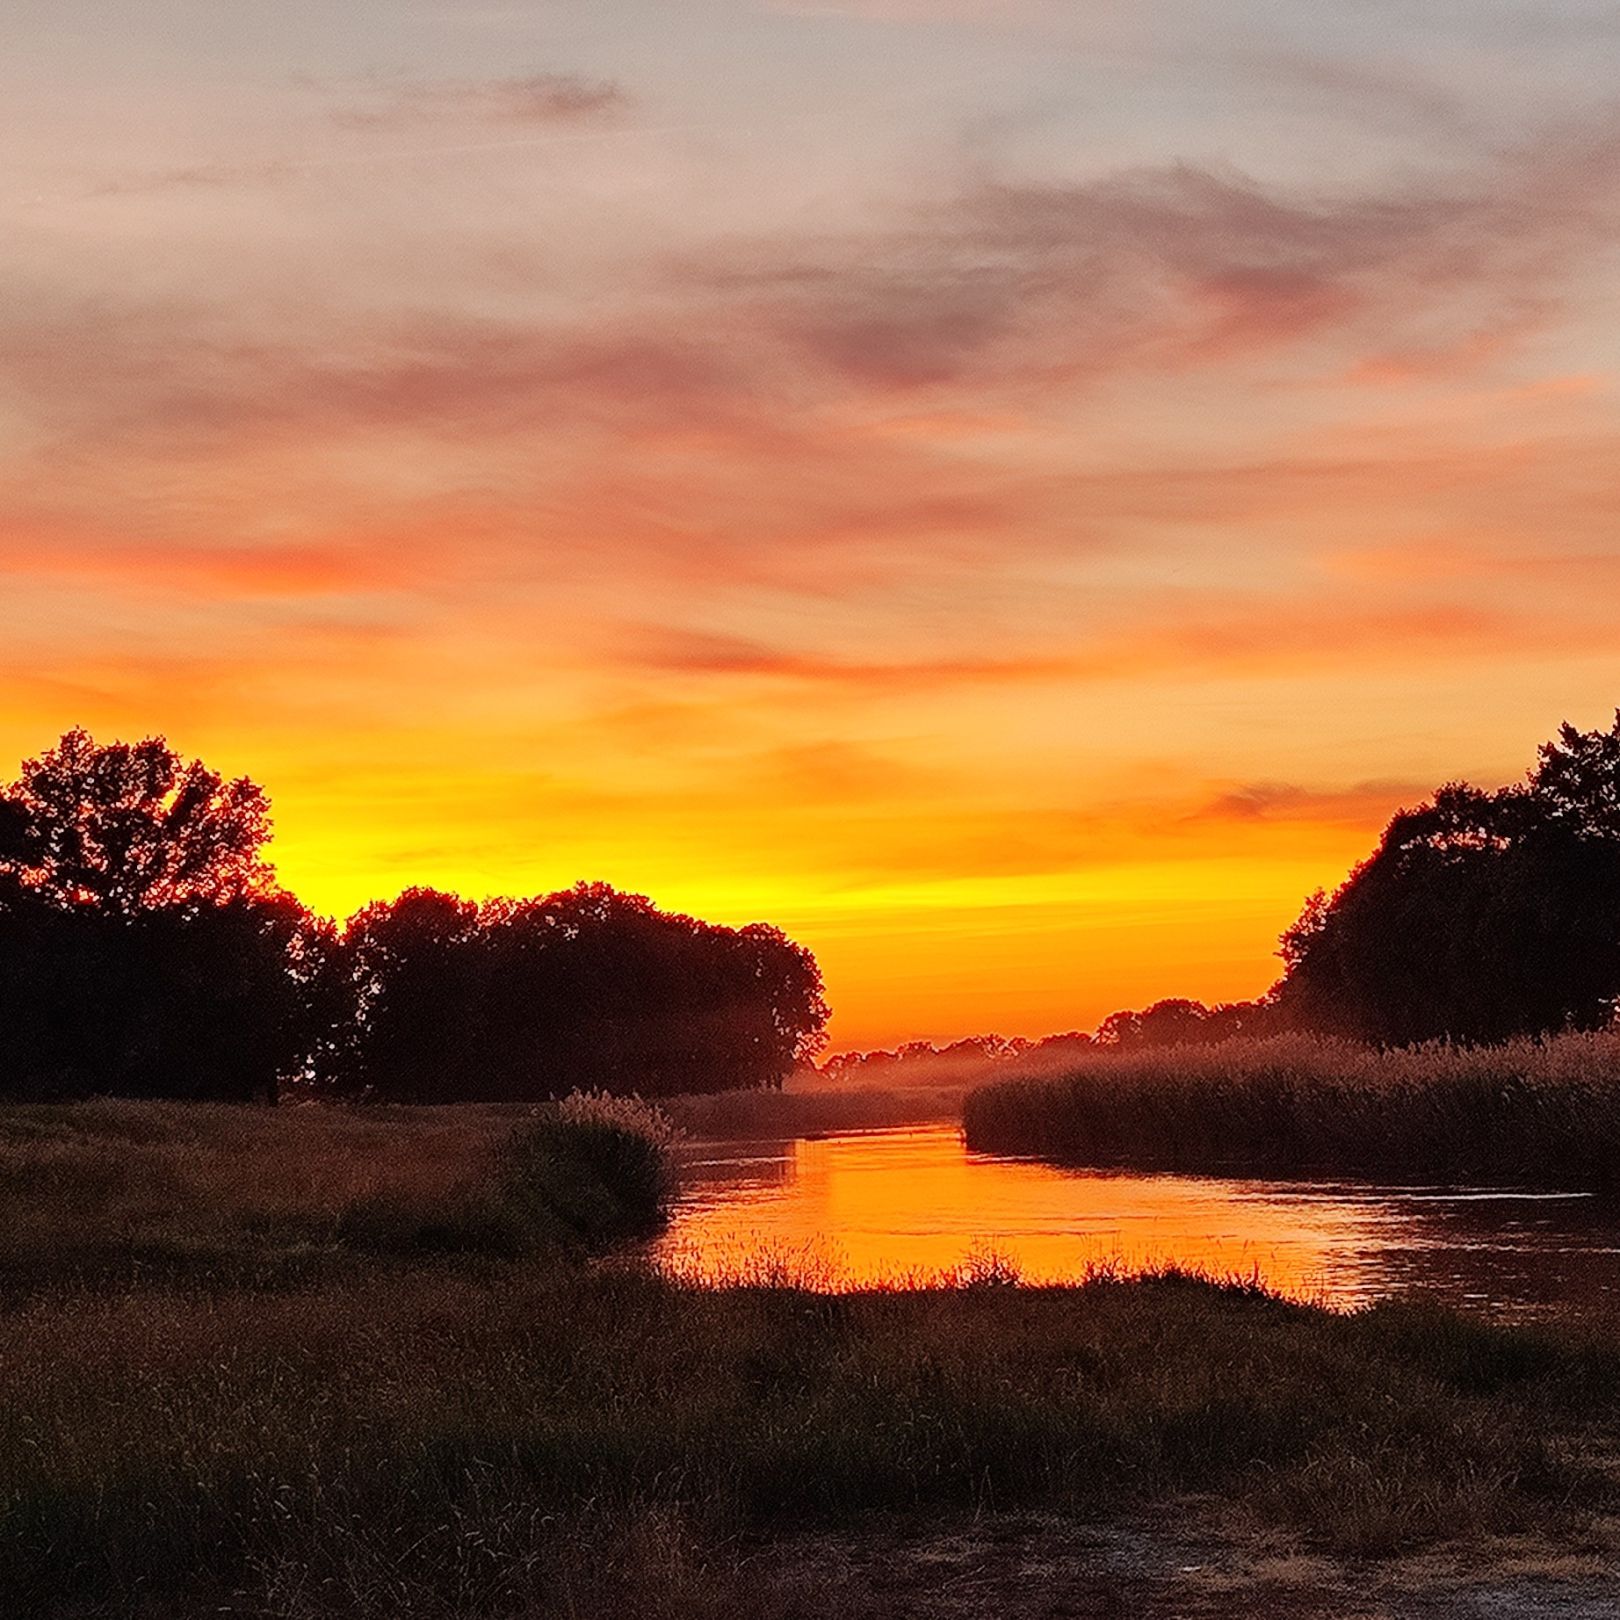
[{"x": 1541, "y": 1113}]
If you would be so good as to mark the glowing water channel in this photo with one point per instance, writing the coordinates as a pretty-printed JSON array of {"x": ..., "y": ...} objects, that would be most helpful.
[{"x": 860, "y": 1207}]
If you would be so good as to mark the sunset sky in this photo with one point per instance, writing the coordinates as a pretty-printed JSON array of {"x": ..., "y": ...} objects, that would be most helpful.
[{"x": 1015, "y": 493}]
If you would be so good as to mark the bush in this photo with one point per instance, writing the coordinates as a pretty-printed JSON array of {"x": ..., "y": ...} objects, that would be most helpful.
[
  {"x": 581, "y": 1173},
  {"x": 595, "y": 1164}
]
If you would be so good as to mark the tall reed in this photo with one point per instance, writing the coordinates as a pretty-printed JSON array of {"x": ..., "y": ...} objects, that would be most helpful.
[{"x": 1546, "y": 1113}]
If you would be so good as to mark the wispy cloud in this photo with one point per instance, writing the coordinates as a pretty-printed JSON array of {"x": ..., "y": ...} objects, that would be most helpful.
[
  {"x": 1008, "y": 281},
  {"x": 1360, "y": 804},
  {"x": 1004, "y": 296},
  {"x": 464, "y": 116},
  {"x": 1258, "y": 634},
  {"x": 527, "y": 98}
]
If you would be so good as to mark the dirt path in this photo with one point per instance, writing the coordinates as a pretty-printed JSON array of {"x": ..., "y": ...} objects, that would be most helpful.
[{"x": 1027, "y": 1567}]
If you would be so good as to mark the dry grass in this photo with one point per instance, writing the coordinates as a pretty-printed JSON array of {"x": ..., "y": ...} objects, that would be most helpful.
[
  {"x": 1529, "y": 1112},
  {"x": 112, "y": 1191},
  {"x": 449, "y": 1446}
]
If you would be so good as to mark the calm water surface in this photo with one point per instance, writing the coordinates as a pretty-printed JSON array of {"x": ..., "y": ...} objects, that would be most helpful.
[{"x": 862, "y": 1206}]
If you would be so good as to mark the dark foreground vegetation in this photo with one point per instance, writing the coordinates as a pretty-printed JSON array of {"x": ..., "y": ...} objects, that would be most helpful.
[
  {"x": 146, "y": 950},
  {"x": 259, "y": 1373},
  {"x": 1538, "y": 1112},
  {"x": 523, "y": 1444}
]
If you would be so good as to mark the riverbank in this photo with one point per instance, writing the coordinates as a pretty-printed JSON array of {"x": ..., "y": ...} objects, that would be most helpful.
[
  {"x": 447, "y": 1429},
  {"x": 1526, "y": 1113}
]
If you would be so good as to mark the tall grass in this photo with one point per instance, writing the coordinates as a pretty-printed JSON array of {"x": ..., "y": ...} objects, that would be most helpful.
[
  {"x": 444, "y": 1443},
  {"x": 1534, "y": 1112},
  {"x": 232, "y": 1195}
]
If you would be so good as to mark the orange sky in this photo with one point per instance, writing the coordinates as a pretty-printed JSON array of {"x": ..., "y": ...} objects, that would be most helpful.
[{"x": 1014, "y": 492}]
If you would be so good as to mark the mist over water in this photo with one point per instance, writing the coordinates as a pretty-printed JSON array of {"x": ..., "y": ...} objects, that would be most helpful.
[{"x": 853, "y": 1208}]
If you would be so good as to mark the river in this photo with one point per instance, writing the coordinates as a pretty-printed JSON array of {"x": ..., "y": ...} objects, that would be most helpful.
[{"x": 850, "y": 1208}]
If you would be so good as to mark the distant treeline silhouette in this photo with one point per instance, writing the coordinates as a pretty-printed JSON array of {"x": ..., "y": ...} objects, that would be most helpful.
[
  {"x": 147, "y": 950},
  {"x": 1173, "y": 1022}
]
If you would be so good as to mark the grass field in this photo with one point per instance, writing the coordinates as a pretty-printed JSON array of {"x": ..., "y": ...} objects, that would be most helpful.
[
  {"x": 118, "y": 1193},
  {"x": 269, "y": 1406},
  {"x": 1543, "y": 1113}
]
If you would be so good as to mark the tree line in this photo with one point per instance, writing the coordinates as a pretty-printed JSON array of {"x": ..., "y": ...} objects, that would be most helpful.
[{"x": 147, "y": 950}]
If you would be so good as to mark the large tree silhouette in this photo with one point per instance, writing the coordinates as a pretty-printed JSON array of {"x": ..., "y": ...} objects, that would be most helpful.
[
  {"x": 1481, "y": 915},
  {"x": 144, "y": 947},
  {"x": 129, "y": 828}
]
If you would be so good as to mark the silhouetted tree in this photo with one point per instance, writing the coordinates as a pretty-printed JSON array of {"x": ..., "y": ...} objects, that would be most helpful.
[
  {"x": 144, "y": 948},
  {"x": 417, "y": 974},
  {"x": 1479, "y": 916},
  {"x": 1052, "y": 1051},
  {"x": 130, "y": 828},
  {"x": 584, "y": 988},
  {"x": 1576, "y": 781},
  {"x": 1177, "y": 1021}
]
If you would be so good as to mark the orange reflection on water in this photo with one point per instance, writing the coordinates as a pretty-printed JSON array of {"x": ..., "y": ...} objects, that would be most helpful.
[{"x": 911, "y": 1204}]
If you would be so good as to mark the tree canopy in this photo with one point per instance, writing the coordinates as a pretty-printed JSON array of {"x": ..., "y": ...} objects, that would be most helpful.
[
  {"x": 1480, "y": 915},
  {"x": 126, "y": 828},
  {"x": 585, "y": 987},
  {"x": 144, "y": 947}
]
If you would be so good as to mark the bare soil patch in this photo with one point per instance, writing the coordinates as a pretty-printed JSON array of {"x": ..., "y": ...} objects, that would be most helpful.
[{"x": 1189, "y": 1563}]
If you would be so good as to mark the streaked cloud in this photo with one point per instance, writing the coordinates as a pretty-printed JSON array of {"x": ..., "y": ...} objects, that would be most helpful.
[{"x": 376, "y": 102}]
